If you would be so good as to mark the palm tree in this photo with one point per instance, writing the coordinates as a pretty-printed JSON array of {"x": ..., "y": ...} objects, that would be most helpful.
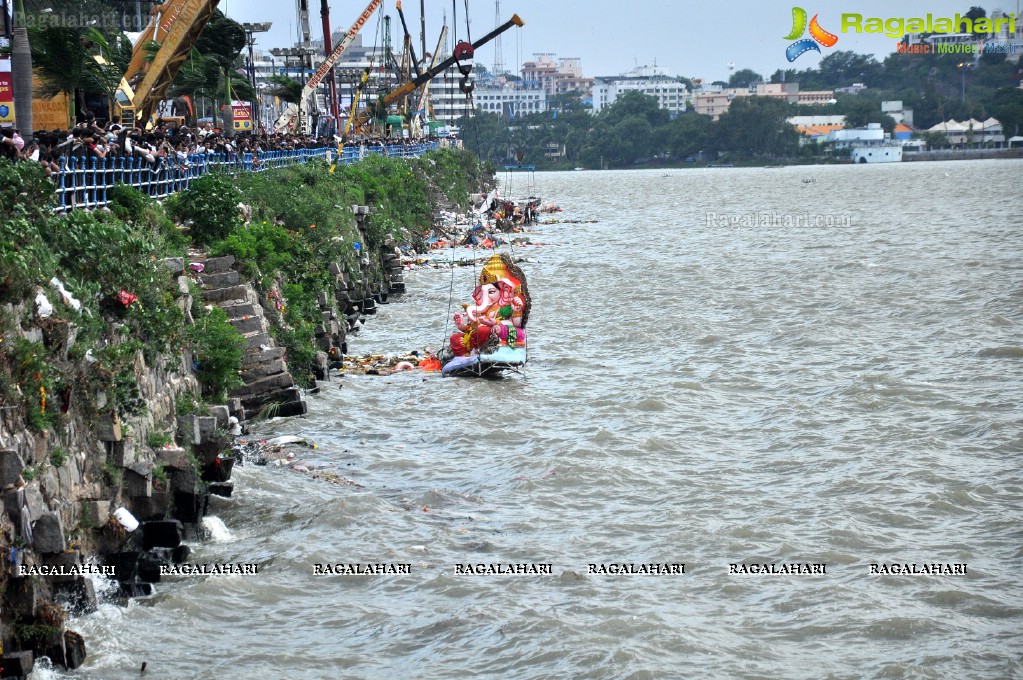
[
  {"x": 21, "y": 71},
  {"x": 60, "y": 58},
  {"x": 104, "y": 72},
  {"x": 288, "y": 89}
]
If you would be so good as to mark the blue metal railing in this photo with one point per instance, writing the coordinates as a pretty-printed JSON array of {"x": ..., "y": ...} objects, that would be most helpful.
[{"x": 84, "y": 182}]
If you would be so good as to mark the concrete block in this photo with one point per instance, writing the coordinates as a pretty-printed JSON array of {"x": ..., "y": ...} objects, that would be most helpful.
[
  {"x": 17, "y": 664},
  {"x": 165, "y": 534},
  {"x": 222, "y": 294},
  {"x": 241, "y": 309},
  {"x": 207, "y": 429},
  {"x": 221, "y": 280},
  {"x": 175, "y": 458},
  {"x": 138, "y": 480},
  {"x": 48, "y": 534},
  {"x": 95, "y": 513},
  {"x": 188, "y": 429},
  {"x": 11, "y": 466},
  {"x": 251, "y": 324},
  {"x": 221, "y": 413},
  {"x": 108, "y": 428},
  {"x": 77, "y": 595},
  {"x": 183, "y": 480},
  {"x": 122, "y": 453},
  {"x": 152, "y": 508}
]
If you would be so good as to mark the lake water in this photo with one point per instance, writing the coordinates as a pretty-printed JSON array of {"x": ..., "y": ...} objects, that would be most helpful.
[{"x": 815, "y": 365}]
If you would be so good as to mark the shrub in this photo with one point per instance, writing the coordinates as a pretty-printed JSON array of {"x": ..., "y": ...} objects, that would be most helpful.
[
  {"x": 58, "y": 456},
  {"x": 25, "y": 261},
  {"x": 211, "y": 205},
  {"x": 127, "y": 202},
  {"x": 218, "y": 350}
]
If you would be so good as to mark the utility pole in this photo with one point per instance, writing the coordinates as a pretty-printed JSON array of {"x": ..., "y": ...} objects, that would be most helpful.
[
  {"x": 422, "y": 28},
  {"x": 498, "y": 55},
  {"x": 250, "y": 31}
]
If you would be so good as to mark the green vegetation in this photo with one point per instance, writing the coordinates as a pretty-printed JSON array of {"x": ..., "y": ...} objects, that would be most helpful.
[
  {"x": 217, "y": 347},
  {"x": 58, "y": 456},
  {"x": 210, "y": 206},
  {"x": 633, "y": 131},
  {"x": 114, "y": 475},
  {"x": 130, "y": 315},
  {"x": 158, "y": 440}
]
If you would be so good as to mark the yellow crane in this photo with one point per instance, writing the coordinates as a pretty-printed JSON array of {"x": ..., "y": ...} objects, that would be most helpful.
[{"x": 173, "y": 28}]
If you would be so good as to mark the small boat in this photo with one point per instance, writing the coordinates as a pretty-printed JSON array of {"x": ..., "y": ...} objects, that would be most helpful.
[{"x": 491, "y": 335}]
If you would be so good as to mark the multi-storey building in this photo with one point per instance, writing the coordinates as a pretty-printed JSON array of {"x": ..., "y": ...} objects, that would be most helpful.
[{"x": 670, "y": 91}]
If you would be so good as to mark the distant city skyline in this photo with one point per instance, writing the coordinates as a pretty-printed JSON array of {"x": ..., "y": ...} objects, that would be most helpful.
[{"x": 611, "y": 38}]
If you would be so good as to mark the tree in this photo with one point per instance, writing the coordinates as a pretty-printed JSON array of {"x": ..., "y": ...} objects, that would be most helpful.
[
  {"x": 973, "y": 14},
  {"x": 755, "y": 126},
  {"x": 1007, "y": 107},
  {"x": 288, "y": 89},
  {"x": 104, "y": 74},
  {"x": 21, "y": 70},
  {"x": 859, "y": 111},
  {"x": 689, "y": 134},
  {"x": 744, "y": 77},
  {"x": 59, "y": 56}
]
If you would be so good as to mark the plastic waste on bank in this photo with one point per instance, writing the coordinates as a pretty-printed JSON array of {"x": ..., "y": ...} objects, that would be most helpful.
[
  {"x": 65, "y": 295},
  {"x": 126, "y": 519},
  {"x": 43, "y": 307}
]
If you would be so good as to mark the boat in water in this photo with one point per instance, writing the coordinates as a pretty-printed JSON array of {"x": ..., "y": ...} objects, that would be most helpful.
[
  {"x": 491, "y": 335},
  {"x": 883, "y": 152}
]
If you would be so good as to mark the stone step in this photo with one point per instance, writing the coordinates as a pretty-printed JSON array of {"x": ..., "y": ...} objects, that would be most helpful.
[
  {"x": 220, "y": 280},
  {"x": 254, "y": 403},
  {"x": 223, "y": 294},
  {"x": 255, "y": 339},
  {"x": 241, "y": 309},
  {"x": 218, "y": 265},
  {"x": 264, "y": 385},
  {"x": 256, "y": 356},
  {"x": 263, "y": 370},
  {"x": 250, "y": 324},
  {"x": 292, "y": 408}
]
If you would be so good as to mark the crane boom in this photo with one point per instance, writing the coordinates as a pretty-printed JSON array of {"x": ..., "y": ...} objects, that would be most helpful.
[
  {"x": 430, "y": 74},
  {"x": 175, "y": 25},
  {"x": 287, "y": 118}
]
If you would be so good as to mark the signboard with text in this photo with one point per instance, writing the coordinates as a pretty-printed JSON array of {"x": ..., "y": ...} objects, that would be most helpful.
[
  {"x": 50, "y": 114},
  {"x": 242, "y": 116},
  {"x": 6, "y": 93}
]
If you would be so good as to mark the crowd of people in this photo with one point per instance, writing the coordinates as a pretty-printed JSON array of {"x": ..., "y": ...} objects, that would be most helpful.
[{"x": 165, "y": 145}]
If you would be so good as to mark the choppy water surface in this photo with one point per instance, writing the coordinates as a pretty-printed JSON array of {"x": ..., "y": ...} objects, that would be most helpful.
[{"x": 696, "y": 393}]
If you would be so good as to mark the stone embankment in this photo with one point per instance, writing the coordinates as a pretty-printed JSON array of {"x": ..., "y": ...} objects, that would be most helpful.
[{"x": 122, "y": 496}]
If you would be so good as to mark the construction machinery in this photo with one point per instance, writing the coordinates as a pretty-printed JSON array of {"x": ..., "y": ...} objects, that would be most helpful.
[
  {"x": 157, "y": 55},
  {"x": 292, "y": 118},
  {"x": 462, "y": 55}
]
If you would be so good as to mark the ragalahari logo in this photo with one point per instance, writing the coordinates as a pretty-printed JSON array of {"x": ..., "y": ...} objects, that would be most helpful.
[{"x": 818, "y": 34}]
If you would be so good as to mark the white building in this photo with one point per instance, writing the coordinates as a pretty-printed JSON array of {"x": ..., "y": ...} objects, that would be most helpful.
[
  {"x": 509, "y": 99},
  {"x": 654, "y": 81}
]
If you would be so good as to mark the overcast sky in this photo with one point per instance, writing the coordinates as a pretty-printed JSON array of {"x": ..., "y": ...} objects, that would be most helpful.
[{"x": 693, "y": 39}]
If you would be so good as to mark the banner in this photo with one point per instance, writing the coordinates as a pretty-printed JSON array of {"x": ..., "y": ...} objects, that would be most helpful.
[
  {"x": 242, "y": 116},
  {"x": 50, "y": 114},
  {"x": 6, "y": 93}
]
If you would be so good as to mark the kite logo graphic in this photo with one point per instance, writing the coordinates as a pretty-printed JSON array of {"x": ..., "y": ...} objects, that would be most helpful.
[{"x": 818, "y": 34}]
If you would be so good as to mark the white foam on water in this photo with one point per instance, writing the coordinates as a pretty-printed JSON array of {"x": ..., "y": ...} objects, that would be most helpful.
[{"x": 215, "y": 530}]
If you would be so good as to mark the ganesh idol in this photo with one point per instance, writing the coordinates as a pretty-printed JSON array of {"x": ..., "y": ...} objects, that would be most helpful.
[{"x": 498, "y": 317}]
